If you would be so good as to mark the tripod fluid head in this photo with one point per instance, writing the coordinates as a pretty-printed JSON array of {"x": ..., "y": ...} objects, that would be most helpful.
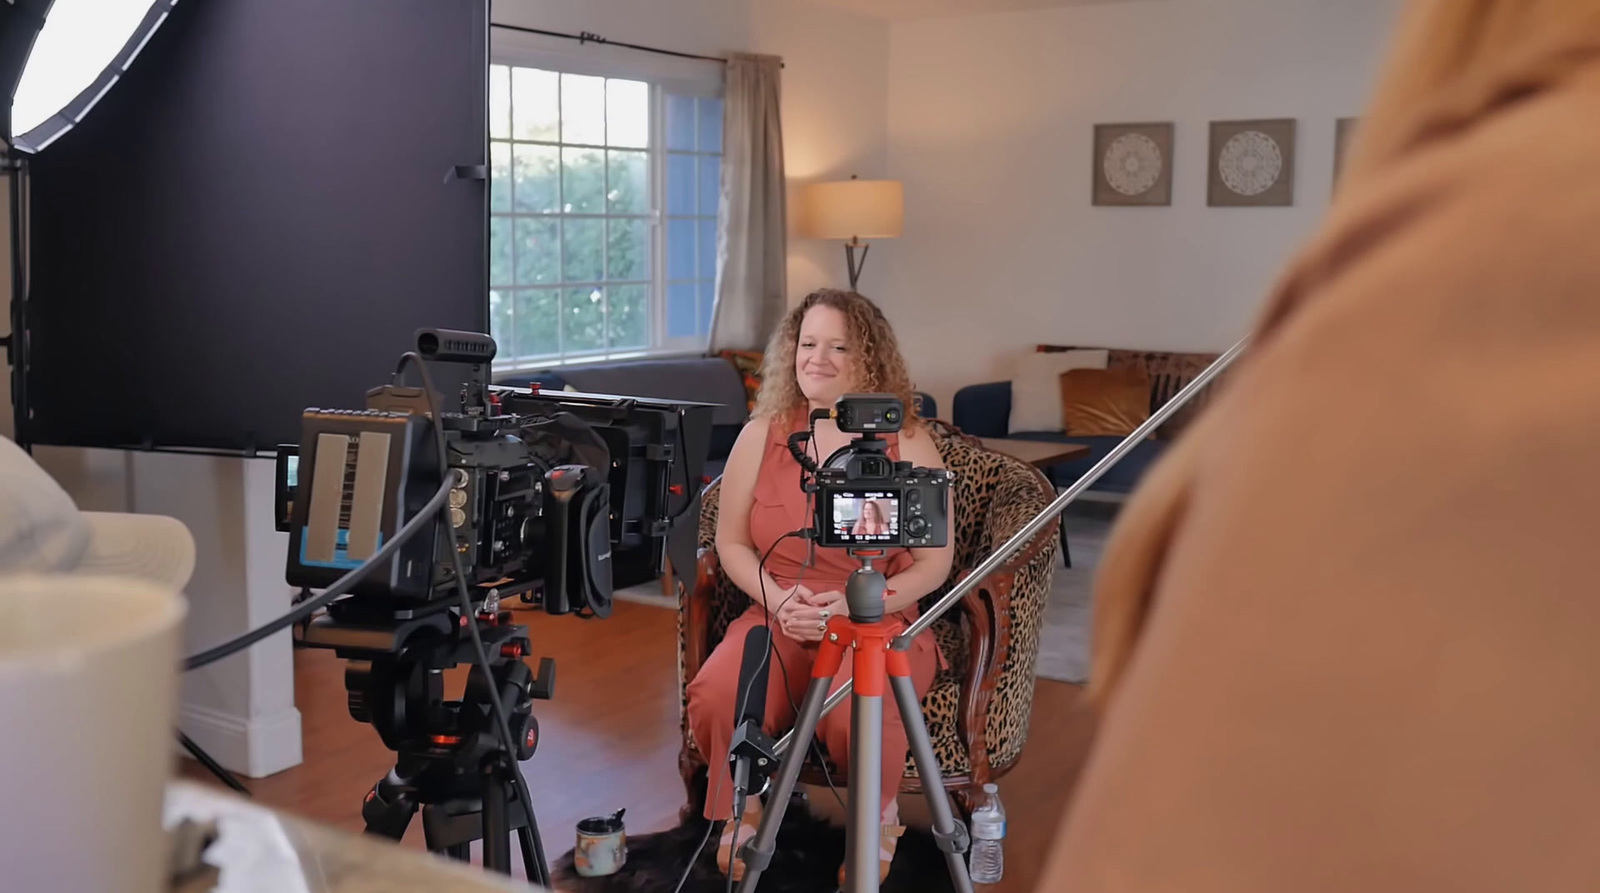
[{"x": 451, "y": 764}]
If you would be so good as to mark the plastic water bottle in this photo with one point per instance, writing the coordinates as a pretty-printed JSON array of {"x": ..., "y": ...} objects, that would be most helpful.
[{"x": 987, "y": 861}]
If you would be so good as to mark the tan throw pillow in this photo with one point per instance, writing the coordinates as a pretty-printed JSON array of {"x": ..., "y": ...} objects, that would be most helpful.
[{"x": 1104, "y": 402}]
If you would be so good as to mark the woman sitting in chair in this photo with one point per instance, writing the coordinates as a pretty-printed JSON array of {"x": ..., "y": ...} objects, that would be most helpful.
[{"x": 833, "y": 343}]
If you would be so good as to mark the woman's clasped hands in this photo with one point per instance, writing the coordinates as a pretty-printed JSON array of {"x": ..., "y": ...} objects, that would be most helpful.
[{"x": 803, "y": 615}]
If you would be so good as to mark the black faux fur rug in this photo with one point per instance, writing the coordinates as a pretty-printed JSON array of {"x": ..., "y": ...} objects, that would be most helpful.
[{"x": 809, "y": 853}]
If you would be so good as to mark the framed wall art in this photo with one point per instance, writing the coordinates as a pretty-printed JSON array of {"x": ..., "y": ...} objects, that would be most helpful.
[
  {"x": 1133, "y": 164},
  {"x": 1251, "y": 164}
]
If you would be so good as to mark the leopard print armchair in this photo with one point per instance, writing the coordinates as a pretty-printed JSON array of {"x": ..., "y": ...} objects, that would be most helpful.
[{"x": 978, "y": 708}]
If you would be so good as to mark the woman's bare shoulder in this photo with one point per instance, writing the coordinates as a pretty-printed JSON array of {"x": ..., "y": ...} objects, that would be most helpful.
[
  {"x": 917, "y": 445},
  {"x": 755, "y": 430}
]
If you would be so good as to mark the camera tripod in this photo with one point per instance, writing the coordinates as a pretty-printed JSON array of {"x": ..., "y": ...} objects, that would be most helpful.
[
  {"x": 451, "y": 763},
  {"x": 870, "y": 636}
]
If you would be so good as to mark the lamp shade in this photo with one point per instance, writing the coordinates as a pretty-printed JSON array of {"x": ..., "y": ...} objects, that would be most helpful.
[{"x": 848, "y": 209}]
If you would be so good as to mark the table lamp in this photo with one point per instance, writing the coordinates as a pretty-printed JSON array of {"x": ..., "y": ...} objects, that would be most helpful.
[{"x": 853, "y": 210}]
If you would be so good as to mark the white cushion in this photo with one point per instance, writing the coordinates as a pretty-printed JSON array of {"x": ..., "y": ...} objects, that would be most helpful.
[{"x": 1036, "y": 387}]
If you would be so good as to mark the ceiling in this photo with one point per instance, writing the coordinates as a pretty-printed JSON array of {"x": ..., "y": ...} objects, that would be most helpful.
[{"x": 906, "y": 10}]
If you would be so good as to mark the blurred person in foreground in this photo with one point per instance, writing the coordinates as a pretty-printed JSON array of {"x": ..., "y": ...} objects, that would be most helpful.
[{"x": 1346, "y": 632}]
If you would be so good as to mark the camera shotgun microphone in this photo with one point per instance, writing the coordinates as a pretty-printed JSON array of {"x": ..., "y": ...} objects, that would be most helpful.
[
  {"x": 753, "y": 672},
  {"x": 751, "y": 750}
]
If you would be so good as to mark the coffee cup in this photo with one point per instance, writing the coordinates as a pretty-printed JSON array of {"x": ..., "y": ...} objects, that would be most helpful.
[{"x": 602, "y": 846}]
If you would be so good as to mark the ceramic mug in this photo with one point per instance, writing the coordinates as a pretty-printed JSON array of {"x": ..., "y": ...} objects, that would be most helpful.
[
  {"x": 88, "y": 696},
  {"x": 602, "y": 846}
]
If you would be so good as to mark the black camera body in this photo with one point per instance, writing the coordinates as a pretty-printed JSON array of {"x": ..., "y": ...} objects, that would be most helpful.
[{"x": 866, "y": 500}]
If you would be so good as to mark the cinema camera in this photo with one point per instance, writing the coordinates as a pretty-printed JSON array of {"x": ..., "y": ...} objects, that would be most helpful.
[
  {"x": 545, "y": 493},
  {"x": 865, "y": 499}
]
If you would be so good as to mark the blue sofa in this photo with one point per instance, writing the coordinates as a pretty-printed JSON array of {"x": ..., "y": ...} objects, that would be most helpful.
[
  {"x": 706, "y": 379},
  {"x": 984, "y": 410}
]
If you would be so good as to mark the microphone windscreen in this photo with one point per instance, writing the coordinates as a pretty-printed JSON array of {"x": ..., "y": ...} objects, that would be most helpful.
[{"x": 751, "y": 696}]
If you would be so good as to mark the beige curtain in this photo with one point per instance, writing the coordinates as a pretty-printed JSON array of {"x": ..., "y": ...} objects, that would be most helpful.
[{"x": 752, "y": 239}]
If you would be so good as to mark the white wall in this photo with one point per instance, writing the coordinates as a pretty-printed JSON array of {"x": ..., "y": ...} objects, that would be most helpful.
[
  {"x": 991, "y": 127},
  {"x": 835, "y": 118}
]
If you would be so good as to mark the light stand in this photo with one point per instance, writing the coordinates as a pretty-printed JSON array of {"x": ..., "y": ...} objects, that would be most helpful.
[{"x": 877, "y": 652}]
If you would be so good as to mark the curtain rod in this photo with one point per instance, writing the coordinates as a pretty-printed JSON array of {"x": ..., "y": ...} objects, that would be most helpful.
[{"x": 591, "y": 37}]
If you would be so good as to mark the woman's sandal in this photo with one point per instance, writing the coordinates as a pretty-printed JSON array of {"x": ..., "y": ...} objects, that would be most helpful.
[
  {"x": 725, "y": 849},
  {"x": 887, "y": 841}
]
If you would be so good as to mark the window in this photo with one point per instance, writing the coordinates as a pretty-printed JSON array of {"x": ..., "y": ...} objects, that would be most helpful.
[{"x": 603, "y": 216}]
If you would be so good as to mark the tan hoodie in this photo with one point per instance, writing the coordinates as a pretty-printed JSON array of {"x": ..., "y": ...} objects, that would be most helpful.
[{"x": 1368, "y": 657}]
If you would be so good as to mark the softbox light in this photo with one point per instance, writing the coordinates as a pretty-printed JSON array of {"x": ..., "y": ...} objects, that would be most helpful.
[{"x": 82, "y": 49}]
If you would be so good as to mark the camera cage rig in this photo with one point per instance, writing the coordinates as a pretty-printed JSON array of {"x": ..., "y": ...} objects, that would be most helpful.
[{"x": 398, "y": 628}]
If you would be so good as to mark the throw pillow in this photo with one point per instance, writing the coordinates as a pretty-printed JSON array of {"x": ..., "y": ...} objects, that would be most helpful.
[
  {"x": 748, "y": 363},
  {"x": 1036, "y": 387},
  {"x": 1104, "y": 402}
]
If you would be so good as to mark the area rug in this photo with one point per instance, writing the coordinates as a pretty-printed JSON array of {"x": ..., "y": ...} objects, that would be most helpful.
[
  {"x": 1064, "y": 634},
  {"x": 809, "y": 853}
]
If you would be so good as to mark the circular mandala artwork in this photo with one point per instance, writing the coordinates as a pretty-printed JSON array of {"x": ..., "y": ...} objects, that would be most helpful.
[
  {"x": 1250, "y": 163},
  {"x": 1133, "y": 164}
]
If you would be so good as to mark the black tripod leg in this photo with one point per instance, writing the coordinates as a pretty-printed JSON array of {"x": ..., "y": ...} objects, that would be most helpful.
[
  {"x": 952, "y": 838},
  {"x": 496, "y": 829},
  {"x": 758, "y": 852}
]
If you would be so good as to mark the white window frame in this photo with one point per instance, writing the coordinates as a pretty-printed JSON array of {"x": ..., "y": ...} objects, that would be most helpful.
[{"x": 666, "y": 76}]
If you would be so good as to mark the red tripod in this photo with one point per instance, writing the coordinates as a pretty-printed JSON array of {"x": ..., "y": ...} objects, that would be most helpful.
[{"x": 871, "y": 637}]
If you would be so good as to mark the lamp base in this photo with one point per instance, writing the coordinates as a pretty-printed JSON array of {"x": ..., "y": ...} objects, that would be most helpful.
[{"x": 851, "y": 263}]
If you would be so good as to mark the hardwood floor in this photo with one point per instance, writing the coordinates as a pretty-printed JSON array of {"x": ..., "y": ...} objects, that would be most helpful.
[{"x": 609, "y": 740}]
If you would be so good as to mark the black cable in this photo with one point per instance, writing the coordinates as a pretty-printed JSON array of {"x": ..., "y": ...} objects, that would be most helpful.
[
  {"x": 340, "y": 587},
  {"x": 479, "y": 654},
  {"x": 211, "y": 764}
]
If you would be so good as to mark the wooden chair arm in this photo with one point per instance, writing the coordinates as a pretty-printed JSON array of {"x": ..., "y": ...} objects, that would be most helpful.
[
  {"x": 697, "y": 612},
  {"x": 988, "y": 611}
]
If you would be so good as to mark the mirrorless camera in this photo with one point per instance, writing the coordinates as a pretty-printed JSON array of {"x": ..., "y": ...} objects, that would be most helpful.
[{"x": 864, "y": 498}]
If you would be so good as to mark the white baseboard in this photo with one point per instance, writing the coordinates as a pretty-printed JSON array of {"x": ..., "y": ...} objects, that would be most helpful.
[
  {"x": 646, "y": 594},
  {"x": 254, "y": 748}
]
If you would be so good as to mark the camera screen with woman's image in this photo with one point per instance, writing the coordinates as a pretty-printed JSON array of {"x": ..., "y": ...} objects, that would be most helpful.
[{"x": 865, "y": 518}]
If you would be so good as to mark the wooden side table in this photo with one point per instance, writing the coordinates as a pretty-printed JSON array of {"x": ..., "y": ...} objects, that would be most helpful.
[{"x": 1041, "y": 454}]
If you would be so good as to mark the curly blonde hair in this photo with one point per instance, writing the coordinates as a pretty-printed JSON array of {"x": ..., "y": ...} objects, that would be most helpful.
[{"x": 875, "y": 355}]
